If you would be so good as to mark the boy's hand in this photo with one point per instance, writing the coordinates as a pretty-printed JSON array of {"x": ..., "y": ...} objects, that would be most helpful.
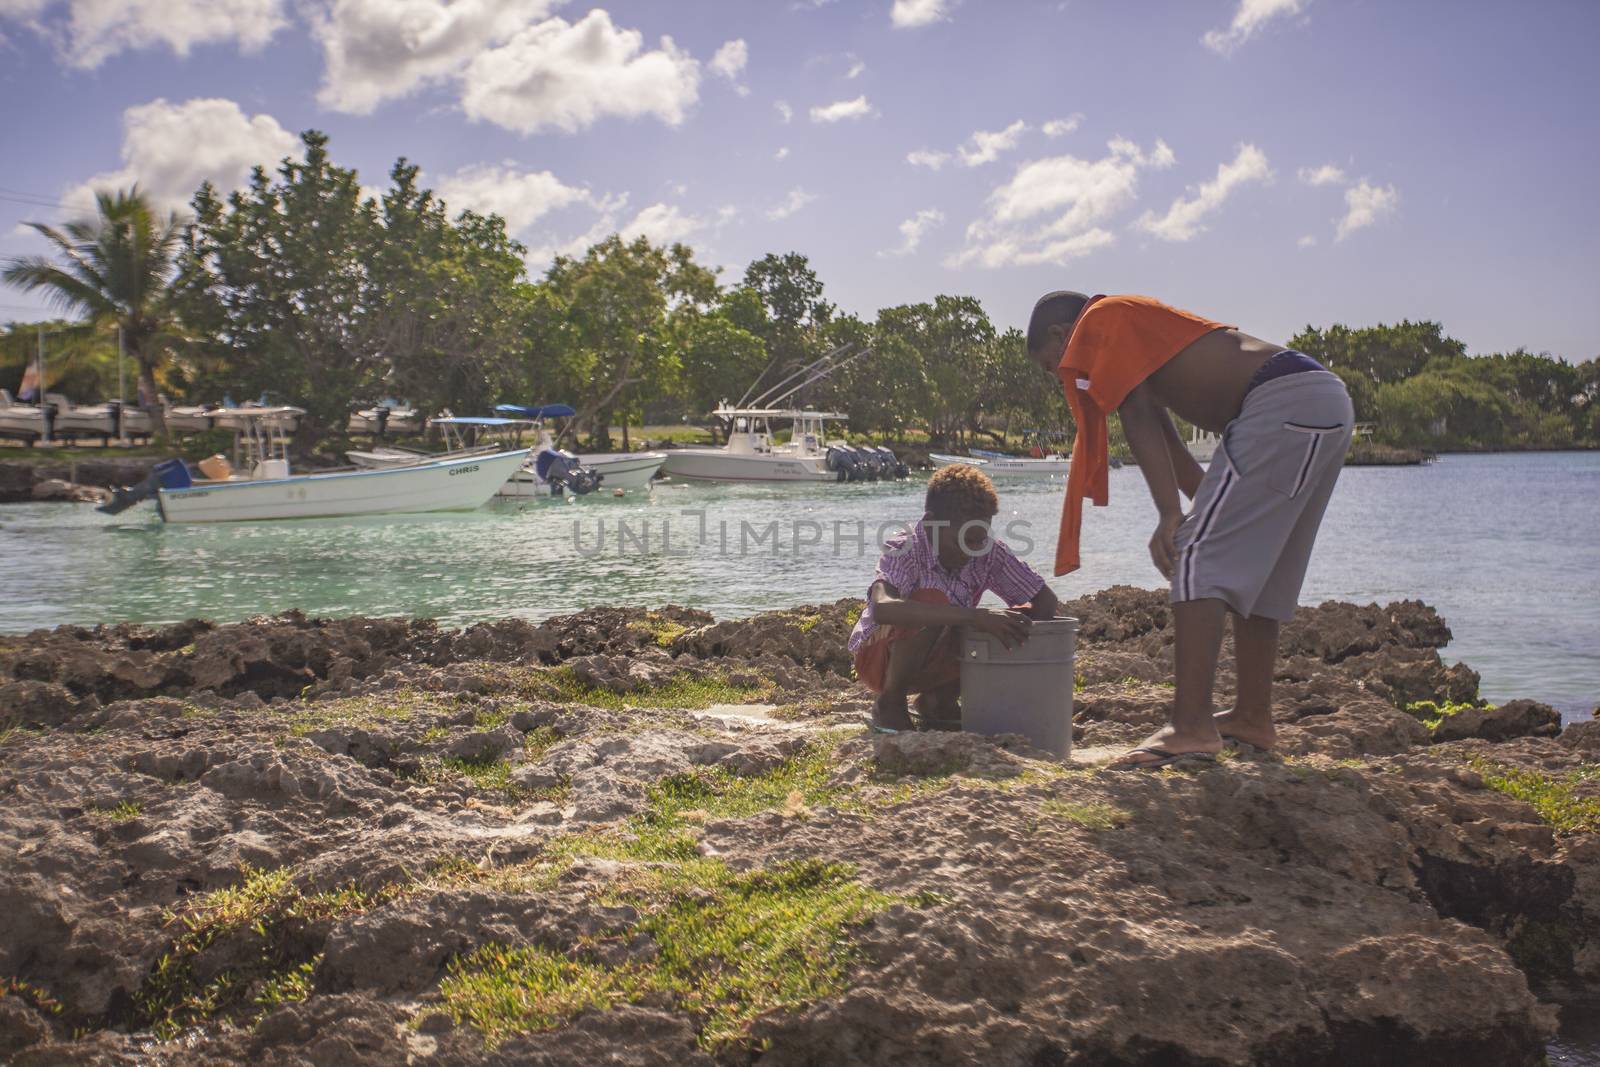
[
  {"x": 1010, "y": 627},
  {"x": 1162, "y": 549}
]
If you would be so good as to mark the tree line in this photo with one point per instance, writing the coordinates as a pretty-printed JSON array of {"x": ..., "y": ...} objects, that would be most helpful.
[{"x": 306, "y": 288}]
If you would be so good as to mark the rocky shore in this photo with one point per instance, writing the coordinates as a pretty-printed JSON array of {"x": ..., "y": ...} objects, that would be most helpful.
[
  {"x": 654, "y": 838},
  {"x": 86, "y": 480}
]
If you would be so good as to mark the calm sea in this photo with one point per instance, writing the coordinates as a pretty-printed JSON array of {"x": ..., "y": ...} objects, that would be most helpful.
[{"x": 1504, "y": 546}]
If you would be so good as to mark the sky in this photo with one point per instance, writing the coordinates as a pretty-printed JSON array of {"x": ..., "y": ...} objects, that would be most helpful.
[{"x": 1269, "y": 163}]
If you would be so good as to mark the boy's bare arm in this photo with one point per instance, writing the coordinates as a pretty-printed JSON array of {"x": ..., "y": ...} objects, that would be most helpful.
[
  {"x": 1044, "y": 603},
  {"x": 890, "y": 609},
  {"x": 1184, "y": 465},
  {"x": 1141, "y": 425}
]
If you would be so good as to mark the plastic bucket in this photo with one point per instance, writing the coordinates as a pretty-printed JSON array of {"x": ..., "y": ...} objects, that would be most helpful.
[{"x": 1026, "y": 690}]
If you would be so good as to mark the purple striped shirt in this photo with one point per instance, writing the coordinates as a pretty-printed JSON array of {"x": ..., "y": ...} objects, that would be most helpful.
[{"x": 910, "y": 562}]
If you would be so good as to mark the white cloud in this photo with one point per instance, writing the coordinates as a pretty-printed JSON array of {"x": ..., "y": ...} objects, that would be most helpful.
[
  {"x": 785, "y": 112},
  {"x": 914, "y": 229},
  {"x": 375, "y": 50},
  {"x": 1062, "y": 127},
  {"x": 782, "y": 153},
  {"x": 88, "y": 32},
  {"x": 1327, "y": 174},
  {"x": 1248, "y": 21},
  {"x": 985, "y": 146},
  {"x": 1366, "y": 204},
  {"x": 1184, "y": 220},
  {"x": 924, "y": 157},
  {"x": 840, "y": 110},
  {"x": 906, "y": 14},
  {"x": 1054, "y": 209},
  {"x": 663, "y": 224},
  {"x": 797, "y": 199},
  {"x": 857, "y": 68},
  {"x": 519, "y": 197},
  {"x": 169, "y": 149},
  {"x": 570, "y": 75},
  {"x": 730, "y": 59},
  {"x": 1306, "y": 242}
]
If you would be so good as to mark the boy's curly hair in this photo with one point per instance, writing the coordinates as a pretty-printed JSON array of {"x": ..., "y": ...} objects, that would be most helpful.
[{"x": 961, "y": 488}]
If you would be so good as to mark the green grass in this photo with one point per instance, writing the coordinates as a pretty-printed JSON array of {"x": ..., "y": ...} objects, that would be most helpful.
[
  {"x": 125, "y": 811},
  {"x": 1092, "y": 814},
  {"x": 490, "y": 775},
  {"x": 1433, "y": 713},
  {"x": 730, "y": 947},
  {"x": 1554, "y": 796},
  {"x": 661, "y": 630},
  {"x": 681, "y": 691},
  {"x": 30, "y": 994},
  {"x": 363, "y": 711},
  {"x": 265, "y": 911}
]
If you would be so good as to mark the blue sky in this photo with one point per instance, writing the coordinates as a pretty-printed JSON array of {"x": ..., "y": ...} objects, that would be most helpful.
[{"x": 1271, "y": 163}]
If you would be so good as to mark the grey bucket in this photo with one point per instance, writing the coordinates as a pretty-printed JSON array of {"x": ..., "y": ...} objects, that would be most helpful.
[{"x": 1026, "y": 690}]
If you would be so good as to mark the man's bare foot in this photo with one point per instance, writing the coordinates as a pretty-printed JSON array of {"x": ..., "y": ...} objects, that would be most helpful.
[
  {"x": 1168, "y": 740},
  {"x": 891, "y": 713},
  {"x": 1255, "y": 730}
]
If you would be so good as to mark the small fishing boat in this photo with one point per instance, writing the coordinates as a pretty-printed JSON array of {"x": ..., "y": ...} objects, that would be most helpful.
[
  {"x": 388, "y": 417},
  {"x": 18, "y": 421},
  {"x": 1000, "y": 465},
  {"x": 617, "y": 470},
  {"x": 270, "y": 491},
  {"x": 751, "y": 454}
]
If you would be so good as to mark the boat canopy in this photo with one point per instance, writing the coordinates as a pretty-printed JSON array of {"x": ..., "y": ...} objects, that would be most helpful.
[
  {"x": 537, "y": 411},
  {"x": 474, "y": 420},
  {"x": 777, "y": 413}
]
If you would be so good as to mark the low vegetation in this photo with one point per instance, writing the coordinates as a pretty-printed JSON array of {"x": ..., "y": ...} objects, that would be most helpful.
[{"x": 1560, "y": 799}]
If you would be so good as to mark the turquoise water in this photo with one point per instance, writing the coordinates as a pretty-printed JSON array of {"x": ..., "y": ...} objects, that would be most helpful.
[{"x": 1503, "y": 545}]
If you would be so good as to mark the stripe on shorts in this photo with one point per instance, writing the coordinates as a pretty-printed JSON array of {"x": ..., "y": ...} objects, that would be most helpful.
[
  {"x": 1186, "y": 567},
  {"x": 1305, "y": 468}
]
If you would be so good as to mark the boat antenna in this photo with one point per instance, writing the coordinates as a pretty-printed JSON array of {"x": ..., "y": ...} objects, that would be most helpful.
[
  {"x": 766, "y": 398},
  {"x": 815, "y": 378}
]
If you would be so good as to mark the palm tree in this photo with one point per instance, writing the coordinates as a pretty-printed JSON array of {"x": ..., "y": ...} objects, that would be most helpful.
[{"x": 117, "y": 271}]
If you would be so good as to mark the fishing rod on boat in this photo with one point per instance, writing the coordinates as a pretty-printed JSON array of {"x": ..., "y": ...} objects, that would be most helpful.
[
  {"x": 814, "y": 379},
  {"x": 762, "y": 400}
]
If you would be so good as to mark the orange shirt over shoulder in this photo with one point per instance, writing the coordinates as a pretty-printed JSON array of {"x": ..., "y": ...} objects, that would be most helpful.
[{"x": 1118, "y": 342}]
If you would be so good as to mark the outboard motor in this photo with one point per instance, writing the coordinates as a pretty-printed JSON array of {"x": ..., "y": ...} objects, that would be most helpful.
[
  {"x": 563, "y": 472},
  {"x": 842, "y": 460},
  {"x": 168, "y": 474},
  {"x": 892, "y": 466}
]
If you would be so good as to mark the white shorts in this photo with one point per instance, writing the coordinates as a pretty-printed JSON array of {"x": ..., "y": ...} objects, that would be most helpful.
[{"x": 1248, "y": 538}]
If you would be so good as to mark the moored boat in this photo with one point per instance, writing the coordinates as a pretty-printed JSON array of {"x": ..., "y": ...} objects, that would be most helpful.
[{"x": 997, "y": 464}]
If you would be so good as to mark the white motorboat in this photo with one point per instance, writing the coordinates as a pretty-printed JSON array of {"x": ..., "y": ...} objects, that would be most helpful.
[
  {"x": 751, "y": 454},
  {"x": 999, "y": 465},
  {"x": 386, "y": 418},
  {"x": 242, "y": 418},
  {"x": 1202, "y": 444},
  {"x": 19, "y": 422},
  {"x": 270, "y": 491},
  {"x": 105, "y": 421},
  {"x": 615, "y": 470}
]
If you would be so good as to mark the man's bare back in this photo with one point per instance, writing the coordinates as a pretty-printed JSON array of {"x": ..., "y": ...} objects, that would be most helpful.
[{"x": 1205, "y": 382}]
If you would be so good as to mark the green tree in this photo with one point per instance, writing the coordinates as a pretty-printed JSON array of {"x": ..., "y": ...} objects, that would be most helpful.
[
  {"x": 279, "y": 278},
  {"x": 787, "y": 312},
  {"x": 608, "y": 322},
  {"x": 115, "y": 271}
]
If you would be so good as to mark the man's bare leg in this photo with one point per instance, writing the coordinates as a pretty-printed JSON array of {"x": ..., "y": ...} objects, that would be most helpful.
[
  {"x": 1197, "y": 630},
  {"x": 1255, "y": 650},
  {"x": 906, "y": 658}
]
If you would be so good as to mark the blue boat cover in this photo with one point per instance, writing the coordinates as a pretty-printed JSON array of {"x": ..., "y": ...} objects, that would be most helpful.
[
  {"x": 545, "y": 411},
  {"x": 471, "y": 420}
]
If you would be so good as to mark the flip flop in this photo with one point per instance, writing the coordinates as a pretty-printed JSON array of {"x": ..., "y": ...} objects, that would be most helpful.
[
  {"x": 951, "y": 725},
  {"x": 1228, "y": 740},
  {"x": 875, "y": 728},
  {"x": 1164, "y": 758}
]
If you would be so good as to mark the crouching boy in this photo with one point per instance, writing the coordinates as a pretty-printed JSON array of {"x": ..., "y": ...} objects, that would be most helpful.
[{"x": 928, "y": 583}]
